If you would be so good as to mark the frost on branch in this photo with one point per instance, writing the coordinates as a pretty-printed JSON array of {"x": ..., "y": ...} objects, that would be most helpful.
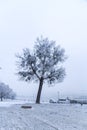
[
  {"x": 6, "y": 92},
  {"x": 44, "y": 63}
]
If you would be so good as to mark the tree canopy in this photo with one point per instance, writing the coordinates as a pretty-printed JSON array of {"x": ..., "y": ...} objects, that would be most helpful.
[
  {"x": 43, "y": 64},
  {"x": 6, "y": 92}
]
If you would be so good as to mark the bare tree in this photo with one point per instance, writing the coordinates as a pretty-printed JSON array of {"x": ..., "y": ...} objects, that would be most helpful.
[
  {"x": 43, "y": 64},
  {"x": 6, "y": 92}
]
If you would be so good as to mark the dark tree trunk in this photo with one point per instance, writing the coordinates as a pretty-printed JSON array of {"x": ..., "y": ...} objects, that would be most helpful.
[
  {"x": 39, "y": 91},
  {"x": 1, "y": 99}
]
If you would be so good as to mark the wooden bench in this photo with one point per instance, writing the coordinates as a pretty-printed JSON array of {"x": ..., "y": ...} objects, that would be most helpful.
[{"x": 26, "y": 107}]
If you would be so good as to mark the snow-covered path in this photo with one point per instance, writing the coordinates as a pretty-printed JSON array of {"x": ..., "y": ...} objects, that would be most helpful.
[{"x": 44, "y": 117}]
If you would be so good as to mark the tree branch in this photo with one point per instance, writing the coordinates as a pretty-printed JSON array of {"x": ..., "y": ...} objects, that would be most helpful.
[{"x": 35, "y": 72}]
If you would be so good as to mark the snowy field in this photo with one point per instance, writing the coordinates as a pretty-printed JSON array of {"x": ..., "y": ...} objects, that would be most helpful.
[{"x": 42, "y": 117}]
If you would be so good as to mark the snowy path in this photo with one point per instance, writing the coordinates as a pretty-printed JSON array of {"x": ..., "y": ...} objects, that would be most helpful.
[
  {"x": 44, "y": 117},
  {"x": 16, "y": 118}
]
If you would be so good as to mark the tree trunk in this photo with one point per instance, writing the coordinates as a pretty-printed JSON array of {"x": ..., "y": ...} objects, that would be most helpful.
[
  {"x": 39, "y": 91},
  {"x": 1, "y": 99}
]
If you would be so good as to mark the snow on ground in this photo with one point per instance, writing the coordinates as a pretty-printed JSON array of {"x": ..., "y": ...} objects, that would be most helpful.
[
  {"x": 44, "y": 117},
  {"x": 9, "y": 103}
]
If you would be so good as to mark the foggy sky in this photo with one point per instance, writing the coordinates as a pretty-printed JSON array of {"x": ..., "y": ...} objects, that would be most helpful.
[{"x": 65, "y": 21}]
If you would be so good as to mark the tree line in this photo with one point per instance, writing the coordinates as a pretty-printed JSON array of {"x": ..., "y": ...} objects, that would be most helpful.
[{"x": 6, "y": 92}]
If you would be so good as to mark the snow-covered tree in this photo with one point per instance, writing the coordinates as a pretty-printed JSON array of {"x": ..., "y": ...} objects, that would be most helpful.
[
  {"x": 43, "y": 64},
  {"x": 6, "y": 92}
]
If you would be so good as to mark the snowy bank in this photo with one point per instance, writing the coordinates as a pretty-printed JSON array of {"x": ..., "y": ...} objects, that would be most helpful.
[{"x": 9, "y": 103}]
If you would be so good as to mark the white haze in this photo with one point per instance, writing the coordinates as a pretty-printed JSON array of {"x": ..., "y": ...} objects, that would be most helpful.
[{"x": 65, "y": 21}]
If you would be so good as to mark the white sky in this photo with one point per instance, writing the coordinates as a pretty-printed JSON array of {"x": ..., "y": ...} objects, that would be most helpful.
[{"x": 65, "y": 21}]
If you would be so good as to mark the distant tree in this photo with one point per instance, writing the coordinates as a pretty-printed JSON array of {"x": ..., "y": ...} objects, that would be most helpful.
[
  {"x": 6, "y": 92},
  {"x": 43, "y": 64}
]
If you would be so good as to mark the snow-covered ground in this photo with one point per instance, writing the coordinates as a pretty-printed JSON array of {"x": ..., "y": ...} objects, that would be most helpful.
[
  {"x": 9, "y": 103},
  {"x": 43, "y": 117}
]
